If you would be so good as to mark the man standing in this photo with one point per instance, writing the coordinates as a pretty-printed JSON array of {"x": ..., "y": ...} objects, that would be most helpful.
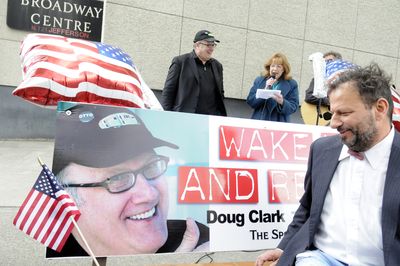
[
  {"x": 350, "y": 211},
  {"x": 194, "y": 82}
]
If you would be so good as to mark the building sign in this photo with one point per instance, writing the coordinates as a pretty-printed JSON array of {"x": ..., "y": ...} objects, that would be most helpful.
[{"x": 80, "y": 19}]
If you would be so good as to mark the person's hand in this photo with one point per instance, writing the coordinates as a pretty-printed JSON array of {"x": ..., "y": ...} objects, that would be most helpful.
[
  {"x": 269, "y": 255},
  {"x": 190, "y": 237},
  {"x": 269, "y": 83},
  {"x": 278, "y": 98},
  {"x": 203, "y": 247}
]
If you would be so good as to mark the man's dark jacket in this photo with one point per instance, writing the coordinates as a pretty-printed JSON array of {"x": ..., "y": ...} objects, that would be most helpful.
[
  {"x": 181, "y": 90},
  {"x": 322, "y": 163}
]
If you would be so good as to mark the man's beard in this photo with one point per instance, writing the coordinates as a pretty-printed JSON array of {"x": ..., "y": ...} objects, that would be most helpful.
[{"x": 362, "y": 141}]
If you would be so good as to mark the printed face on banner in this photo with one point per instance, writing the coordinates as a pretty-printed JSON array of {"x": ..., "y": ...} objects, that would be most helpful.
[
  {"x": 141, "y": 178},
  {"x": 135, "y": 212}
]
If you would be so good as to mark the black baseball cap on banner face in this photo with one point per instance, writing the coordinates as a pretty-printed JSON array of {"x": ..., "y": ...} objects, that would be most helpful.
[
  {"x": 205, "y": 35},
  {"x": 101, "y": 136}
]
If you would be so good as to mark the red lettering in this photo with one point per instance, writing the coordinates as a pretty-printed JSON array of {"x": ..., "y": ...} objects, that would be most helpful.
[
  {"x": 217, "y": 185},
  {"x": 237, "y": 143},
  {"x": 285, "y": 186}
]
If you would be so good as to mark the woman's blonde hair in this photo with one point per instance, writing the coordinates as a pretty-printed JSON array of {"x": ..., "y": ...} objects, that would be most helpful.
[{"x": 279, "y": 59}]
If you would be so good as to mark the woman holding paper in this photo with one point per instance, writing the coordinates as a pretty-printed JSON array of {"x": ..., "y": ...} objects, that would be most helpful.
[{"x": 274, "y": 95}]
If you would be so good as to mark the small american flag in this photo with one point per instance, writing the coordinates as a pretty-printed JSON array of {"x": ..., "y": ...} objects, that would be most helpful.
[
  {"x": 56, "y": 68},
  {"x": 396, "y": 108},
  {"x": 46, "y": 213}
]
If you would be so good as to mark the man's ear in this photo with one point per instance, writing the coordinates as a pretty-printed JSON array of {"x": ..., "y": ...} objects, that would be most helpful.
[{"x": 382, "y": 107}]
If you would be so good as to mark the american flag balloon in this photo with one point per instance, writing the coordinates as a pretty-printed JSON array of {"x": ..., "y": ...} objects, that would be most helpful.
[{"x": 56, "y": 68}]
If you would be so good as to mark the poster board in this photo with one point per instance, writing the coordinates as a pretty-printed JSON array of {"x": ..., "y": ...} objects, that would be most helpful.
[{"x": 241, "y": 178}]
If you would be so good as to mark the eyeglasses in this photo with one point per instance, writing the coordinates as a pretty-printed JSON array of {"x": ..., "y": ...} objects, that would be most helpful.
[
  {"x": 125, "y": 181},
  {"x": 209, "y": 44}
]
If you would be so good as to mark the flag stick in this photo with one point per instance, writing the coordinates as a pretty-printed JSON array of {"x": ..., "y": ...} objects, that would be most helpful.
[
  {"x": 79, "y": 230},
  {"x": 84, "y": 240},
  {"x": 40, "y": 161}
]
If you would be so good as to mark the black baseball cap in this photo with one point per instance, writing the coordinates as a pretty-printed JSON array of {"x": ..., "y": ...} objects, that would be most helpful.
[
  {"x": 101, "y": 136},
  {"x": 205, "y": 35}
]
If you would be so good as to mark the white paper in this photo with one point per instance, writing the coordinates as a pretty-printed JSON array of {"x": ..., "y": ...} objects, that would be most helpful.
[{"x": 266, "y": 94}]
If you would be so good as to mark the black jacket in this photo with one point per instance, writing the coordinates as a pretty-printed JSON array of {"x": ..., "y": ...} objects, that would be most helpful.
[
  {"x": 322, "y": 163},
  {"x": 310, "y": 98},
  {"x": 181, "y": 89}
]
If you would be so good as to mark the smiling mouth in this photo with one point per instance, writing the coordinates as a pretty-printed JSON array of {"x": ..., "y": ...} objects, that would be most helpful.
[
  {"x": 342, "y": 130},
  {"x": 145, "y": 215}
]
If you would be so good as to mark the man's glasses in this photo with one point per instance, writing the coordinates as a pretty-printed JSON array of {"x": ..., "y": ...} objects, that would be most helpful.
[
  {"x": 209, "y": 44},
  {"x": 125, "y": 181}
]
